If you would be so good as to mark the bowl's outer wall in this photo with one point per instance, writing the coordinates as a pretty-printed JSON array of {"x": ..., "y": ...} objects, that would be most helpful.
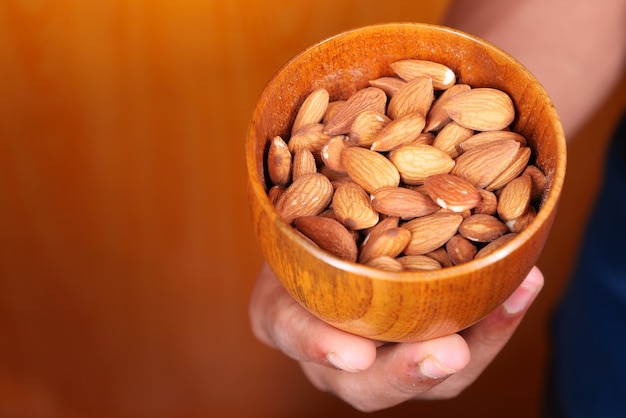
[{"x": 400, "y": 306}]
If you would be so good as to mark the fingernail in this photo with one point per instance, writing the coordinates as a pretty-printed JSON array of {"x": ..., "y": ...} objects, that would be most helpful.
[
  {"x": 431, "y": 369},
  {"x": 520, "y": 299},
  {"x": 336, "y": 361}
]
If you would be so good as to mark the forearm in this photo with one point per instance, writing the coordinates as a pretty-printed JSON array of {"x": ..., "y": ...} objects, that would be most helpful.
[{"x": 576, "y": 49}]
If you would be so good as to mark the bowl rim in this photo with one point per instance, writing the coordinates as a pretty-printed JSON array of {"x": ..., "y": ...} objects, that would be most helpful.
[{"x": 549, "y": 201}]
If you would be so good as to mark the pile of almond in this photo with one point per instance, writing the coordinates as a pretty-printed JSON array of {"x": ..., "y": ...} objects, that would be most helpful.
[{"x": 414, "y": 172}]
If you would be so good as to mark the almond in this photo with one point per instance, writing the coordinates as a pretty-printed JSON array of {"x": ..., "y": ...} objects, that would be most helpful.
[
  {"x": 418, "y": 262},
  {"x": 495, "y": 245},
  {"x": 514, "y": 198},
  {"x": 442, "y": 76},
  {"x": 450, "y": 136},
  {"x": 440, "y": 255},
  {"x": 385, "y": 263},
  {"x": 383, "y": 225},
  {"x": 398, "y": 132},
  {"x": 369, "y": 98},
  {"x": 331, "y": 109},
  {"x": 517, "y": 166},
  {"x": 311, "y": 137},
  {"x": 365, "y": 127},
  {"x": 488, "y": 203},
  {"x": 275, "y": 192},
  {"x": 452, "y": 192},
  {"x": 482, "y": 228},
  {"x": 482, "y": 138},
  {"x": 353, "y": 208},
  {"x": 538, "y": 181},
  {"x": 460, "y": 249},
  {"x": 437, "y": 116},
  {"x": 329, "y": 235},
  {"x": 388, "y": 243},
  {"x": 308, "y": 195},
  {"x": 417, "y": 162},
  {"x": 481, "y": 109},
  {"x": 334, "y": 176},
  {"x": 303, "y": 163},
  {"x": 402, "y": 202},
  {"x": 331, "y": 153},
  {"x": 312, "y": 109},
  {"x": 425, "y": 138},
  {"x": 279, "y": 162},
  {"x": 431, "y": 232},
  {"x": 370, "y": 169},
  {"x": 416, "y": 96},
  {"x": 481, "y": 165},
  {"x": 390, "y": 85},
  {"x": 521, "y": 222}
]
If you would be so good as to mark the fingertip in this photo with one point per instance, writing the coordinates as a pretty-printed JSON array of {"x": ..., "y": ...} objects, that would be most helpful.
[
  {"x": 442, "y": 357},
  {"x": 523, "y": 296},
  {"x": 349, "y": 352},
  {"x": 453, "y": 353}
]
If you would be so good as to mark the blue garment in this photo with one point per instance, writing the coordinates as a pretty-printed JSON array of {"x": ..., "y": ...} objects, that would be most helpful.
[{"x": 588, "y": 361}]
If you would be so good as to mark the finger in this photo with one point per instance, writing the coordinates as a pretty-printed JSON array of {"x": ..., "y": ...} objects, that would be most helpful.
[
  {"x": 401, "y": 372},
  {"x": 281, "y": 322},
  {"x": 487, "y": 338}
]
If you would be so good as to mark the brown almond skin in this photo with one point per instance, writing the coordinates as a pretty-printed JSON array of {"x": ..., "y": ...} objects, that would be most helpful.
[
  {"x": 279, "y": 162},
  {"x": 418, "y": 262},
  {"x": 365, "y": 128},
  {"x": 275, "y": 192},
  {"x": 312, "y": 109},
  {"x": 417, "y": 162},
  {"x": 514, "y": 198},
  {"x": 485, "y": 137},
  {"x": 488, "y": 203},
  {"x": 388, "y": 243},
  {"x": 416, "y": 96},
  {"x": 402, "y": 202},
  {"x": 385, "y": 263},
  {"x": 481, "y": 165},
  {"x": 538, "y": 181},
  {"x": 442, "y": 76},
  {"x": 311, "y": 137},
  {"x": 441, "y": 256},
  {"x": 329, "y": 235},
  {"x": 495, "y": 245},
  {"x": 369, "y": 169},
  {"x": 308, "y": 195},
  {"x": 460, "y": 249},
  {"x": 481, "y": 109},
  {"x": 482, "y": 228},
  {"x": 514, "y": 169},
  {"x": 303, "y": 163},
  {"x": 331, "y": 153},
  {"x": 452, "y": 192},
  {"x": 390, "y": 85},
  {"x": 431, "y": 232},
  {"x": 437, "y": 116},
  {"x": 383, "y": 225},
  {"x": 369, "y": 98},
  {"x": 398, "y": 132},
  {"x": 331, "y": 109},
  {"x": 449, "y": 138},
  {"x": 353, "y": 208}
]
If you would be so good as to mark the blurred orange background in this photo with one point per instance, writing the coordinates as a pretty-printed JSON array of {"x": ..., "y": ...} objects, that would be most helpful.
[{"x": 126, "y": 253}]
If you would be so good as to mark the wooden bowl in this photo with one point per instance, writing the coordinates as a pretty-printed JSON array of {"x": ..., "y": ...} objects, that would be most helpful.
[{"x": 401, "y": 306}]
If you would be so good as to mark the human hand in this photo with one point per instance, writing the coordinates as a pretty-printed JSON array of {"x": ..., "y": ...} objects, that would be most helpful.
[{"x": 370, "y": 375}]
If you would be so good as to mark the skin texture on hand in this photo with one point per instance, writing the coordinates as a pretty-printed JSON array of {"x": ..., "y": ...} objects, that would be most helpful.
[{"x": 371, "y": 375}]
